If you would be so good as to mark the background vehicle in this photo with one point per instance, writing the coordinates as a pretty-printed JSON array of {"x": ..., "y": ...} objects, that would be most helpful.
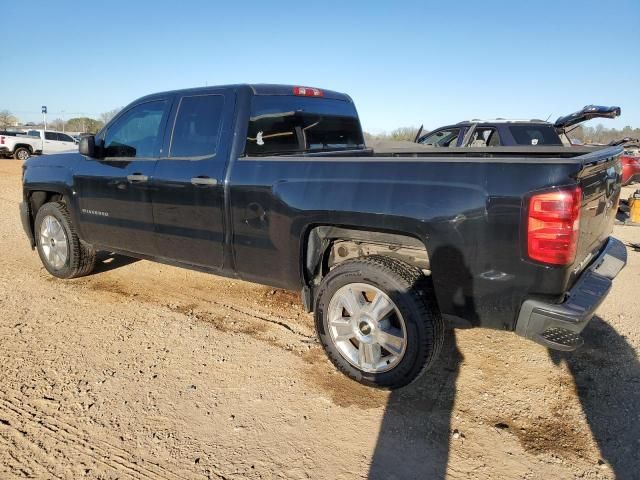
[
  {"x": 631, "y": 162},
  {"x": 18, "y": 146},
  {"x": 53, "y": 141},
  {"x": 503, "y": 132},
  {"x": 273, "y": 184}
]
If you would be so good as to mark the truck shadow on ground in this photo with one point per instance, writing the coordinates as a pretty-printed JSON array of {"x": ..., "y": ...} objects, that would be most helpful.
[
  {"x": 606, "y": 371},
  {"x": 416, "y": 428},
  {"x": 106, "y": 261},
  {"x": 414, "y": 434}
]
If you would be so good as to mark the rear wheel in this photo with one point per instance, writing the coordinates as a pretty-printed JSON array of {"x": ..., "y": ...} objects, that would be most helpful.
[
  {"x": 62, "y": 253},
  {"x": 21, "y": 153},
  {"x": 378, "y": 322}
]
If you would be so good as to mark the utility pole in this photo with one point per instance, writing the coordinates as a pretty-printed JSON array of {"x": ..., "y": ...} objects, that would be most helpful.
[
  {"x": 63, "y": 122},
  {"x": 44, "y": 115}
]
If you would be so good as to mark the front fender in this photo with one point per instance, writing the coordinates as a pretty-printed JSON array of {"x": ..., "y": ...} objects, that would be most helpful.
[{"x": 52, "y": 174}]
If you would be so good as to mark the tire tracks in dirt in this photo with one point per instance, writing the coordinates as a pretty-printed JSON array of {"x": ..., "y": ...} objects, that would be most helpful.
[{"x": 43, "y": 431}]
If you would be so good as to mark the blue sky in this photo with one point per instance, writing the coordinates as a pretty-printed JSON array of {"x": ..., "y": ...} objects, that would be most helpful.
[{"x": 404, "y": 63}]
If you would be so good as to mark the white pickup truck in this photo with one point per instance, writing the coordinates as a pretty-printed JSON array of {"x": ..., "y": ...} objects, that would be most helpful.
[
  {"x": 18, "y": 146},
  {"x": 54, "y": 142},
  {"x": 21, "y": 145}
]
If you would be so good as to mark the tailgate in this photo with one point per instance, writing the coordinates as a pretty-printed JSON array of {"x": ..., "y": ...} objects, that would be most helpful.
[{"x": 600, "y": 179}]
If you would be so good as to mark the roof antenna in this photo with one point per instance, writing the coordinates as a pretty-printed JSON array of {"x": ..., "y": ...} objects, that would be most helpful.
[{"x": 548, "y": 117}]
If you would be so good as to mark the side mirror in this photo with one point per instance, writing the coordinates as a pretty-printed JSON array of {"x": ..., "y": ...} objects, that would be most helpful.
[{"x": 88, "y": 146}]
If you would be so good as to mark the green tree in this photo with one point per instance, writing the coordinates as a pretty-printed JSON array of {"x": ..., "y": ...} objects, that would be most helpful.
[{"x": 84, "y": 125}]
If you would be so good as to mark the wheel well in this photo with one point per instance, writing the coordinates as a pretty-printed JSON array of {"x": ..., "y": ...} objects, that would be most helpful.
[
  {"x": 38, "y": 198},
  {"x": 23, "y": 145},
  {"x": 327, "y": 246}
]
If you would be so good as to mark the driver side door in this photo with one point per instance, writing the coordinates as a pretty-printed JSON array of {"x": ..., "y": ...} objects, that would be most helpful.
[{"x": 114, "y": 191}]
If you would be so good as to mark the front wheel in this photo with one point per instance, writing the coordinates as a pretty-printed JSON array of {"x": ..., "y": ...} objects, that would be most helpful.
[
  {"x": 62, "y": 253},
  {"x": 378, "y": 322}
]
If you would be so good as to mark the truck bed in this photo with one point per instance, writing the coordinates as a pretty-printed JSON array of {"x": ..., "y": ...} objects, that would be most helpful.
[{"x": 466, "y": 205}]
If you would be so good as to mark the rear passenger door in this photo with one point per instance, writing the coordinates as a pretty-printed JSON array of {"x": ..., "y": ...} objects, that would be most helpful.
[{"x": 188, "y": 194}]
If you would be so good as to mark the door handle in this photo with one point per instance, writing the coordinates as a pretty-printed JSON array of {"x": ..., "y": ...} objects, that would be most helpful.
[
  {"x": 204, "y": 181},
  {"x": 137, "y": 178}
]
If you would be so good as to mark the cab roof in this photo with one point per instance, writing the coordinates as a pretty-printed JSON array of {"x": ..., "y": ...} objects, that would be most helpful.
[{"x": 255, "y": 89}]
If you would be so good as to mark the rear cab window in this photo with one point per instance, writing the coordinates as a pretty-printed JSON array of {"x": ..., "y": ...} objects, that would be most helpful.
[
  {"x": 283, "y": 124},
  {"x": 535, "y": 135}
]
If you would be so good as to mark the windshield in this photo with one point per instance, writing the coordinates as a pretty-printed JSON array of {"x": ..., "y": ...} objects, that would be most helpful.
[{"x": 288, "y": 124}]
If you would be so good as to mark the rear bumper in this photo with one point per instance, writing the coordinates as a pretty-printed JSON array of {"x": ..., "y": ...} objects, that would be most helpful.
[{"x": 558, "y": 326}]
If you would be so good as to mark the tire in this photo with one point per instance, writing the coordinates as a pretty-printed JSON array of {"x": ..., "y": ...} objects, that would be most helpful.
[
  {"x": 21, "y": 153},
  {"x": 413, "y": 317},
  {"x": 52, "y": 229}
]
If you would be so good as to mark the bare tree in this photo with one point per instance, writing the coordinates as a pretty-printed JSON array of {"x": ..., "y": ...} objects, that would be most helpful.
[
  {"x": 7, "y": 119},
  {"x": 399, "y": 134},
  {"x": 106, "y": 116},
  {"x": 404, "y": 133},
  {"x": 57, "y": 124}
]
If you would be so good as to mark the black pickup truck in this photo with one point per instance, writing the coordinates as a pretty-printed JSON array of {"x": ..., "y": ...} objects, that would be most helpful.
[{"x": 274, "y": 184}]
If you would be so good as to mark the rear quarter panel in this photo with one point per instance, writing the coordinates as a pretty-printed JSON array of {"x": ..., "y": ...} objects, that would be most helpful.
[{"x": 467, "y": 212}]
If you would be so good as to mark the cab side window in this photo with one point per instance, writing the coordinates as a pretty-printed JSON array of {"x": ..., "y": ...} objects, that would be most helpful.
[
  {"x": 196, "y": 131},
  {"x": 63, "y": 137},
  {"x": 51, "y": 136},
  {"x": 137, "y": 132},
  {"x": 442, "y": 138},
  {"x": 485, "y": 137}
]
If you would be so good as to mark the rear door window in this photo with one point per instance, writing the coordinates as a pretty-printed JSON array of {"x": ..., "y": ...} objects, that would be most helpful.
[
  {"x": 485, "y": 137},
  {"x": 63, "y": 137},
  {"x": 51, "y": 136},
  {"x": 282, "y": 124},
  {"x": 535, "y": 135},
  {"x": 196, "y": 130}
]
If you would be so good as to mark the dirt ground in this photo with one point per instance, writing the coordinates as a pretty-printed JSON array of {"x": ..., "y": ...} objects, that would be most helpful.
[{"x": 147, "y": 371}]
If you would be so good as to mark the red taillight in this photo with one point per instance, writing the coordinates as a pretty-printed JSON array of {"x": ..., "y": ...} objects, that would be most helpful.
[
  {"x": 307, "y": 92},
  {"x": 1, "y": 140},
  {"x": 553, "y": 226}
]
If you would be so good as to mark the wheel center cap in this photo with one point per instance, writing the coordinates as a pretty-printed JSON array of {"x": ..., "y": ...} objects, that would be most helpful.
[{"x": 365, "y": 327}]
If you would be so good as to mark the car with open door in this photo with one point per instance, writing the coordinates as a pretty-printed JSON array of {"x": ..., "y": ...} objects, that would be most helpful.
[{"x": 502, "y": 132}]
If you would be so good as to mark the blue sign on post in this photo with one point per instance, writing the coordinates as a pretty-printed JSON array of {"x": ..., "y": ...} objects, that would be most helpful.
[{"x": 44, "y": 109}]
